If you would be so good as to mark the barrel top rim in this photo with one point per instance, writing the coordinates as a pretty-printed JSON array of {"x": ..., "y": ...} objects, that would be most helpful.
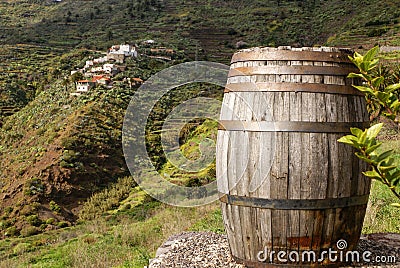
[
  {"x": 296, "y": 49},
  {"x": 315, "y": 54}
]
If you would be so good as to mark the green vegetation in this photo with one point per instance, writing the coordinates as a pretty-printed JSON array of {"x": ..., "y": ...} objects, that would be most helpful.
[
  {"x": 381, "y": 88},
  {"x": 384, "y": 167},
  {"x": 121, "y": 240},
  {"x": 381, "y": 217},
  {"x": 383, "y": 97}
]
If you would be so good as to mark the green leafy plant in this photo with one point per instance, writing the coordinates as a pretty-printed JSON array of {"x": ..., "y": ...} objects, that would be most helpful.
[
  {"x": 382, "y": 165},
  {"x": 382, "y": 96},
  {"x": 379, "y": 95}
]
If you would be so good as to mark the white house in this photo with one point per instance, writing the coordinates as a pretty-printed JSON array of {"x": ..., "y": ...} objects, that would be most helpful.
[
  {"x": 84, "y": 85},
  {"x": 149, "y": 42},
  {"x": 96, "y": 69},
  {"x": 109, "y": 68},
  {"x": 88, "y": 64},
  {"x": 126, "y": 50}
]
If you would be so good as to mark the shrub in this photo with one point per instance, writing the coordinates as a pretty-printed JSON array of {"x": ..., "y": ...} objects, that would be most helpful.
[
  {"x": 34, "y": 220},
  {"x": 8, "y": 210},
  {"x": 4, "y": 224},
  {"x": 21, "y": 248},
  {"x": 29, "y": 231},
  {"x": 54, "y": 206},
  {"x": 11, "y": 231},
  {"x": 28, "y": 210},
  {"x": 377, "y": 32},
  {"x": 50, "y": 221},
  {"x": 62, "y": 224},
  {"x": 34, "y": 186}
]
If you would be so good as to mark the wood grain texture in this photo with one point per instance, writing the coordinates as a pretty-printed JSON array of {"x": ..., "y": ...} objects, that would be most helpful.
[{"x": 289, "y": 164}]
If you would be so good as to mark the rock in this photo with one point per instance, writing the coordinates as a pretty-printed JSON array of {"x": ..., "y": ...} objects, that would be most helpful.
[{"x": 241, "y": 44}]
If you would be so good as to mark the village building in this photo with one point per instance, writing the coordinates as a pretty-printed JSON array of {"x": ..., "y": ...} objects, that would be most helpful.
[
  {"x": 110, "y": 68},
  {"x": 88, "y": 74},
  {"x": 149, "y": 42},
  {"x": 96, "y": 69},
  {"x": 137, "y": 81},
  {"x": 100, "y": 70},
  {"x": 88, "y": 64},
  {"x": 126, "y": 50},
  {"x": 101, "y": 79},
  {"x": 84, "y": 85},
  {"x": 162, "y": 50},
  {"x": 118, "y": 58},
  {"x": 121, "y": 68}
]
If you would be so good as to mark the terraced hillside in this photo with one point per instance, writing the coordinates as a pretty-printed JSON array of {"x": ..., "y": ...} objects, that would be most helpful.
[{"x": 212, "y": 28}]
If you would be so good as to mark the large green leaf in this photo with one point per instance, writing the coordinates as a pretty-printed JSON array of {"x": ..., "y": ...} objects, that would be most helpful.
[
  {"x": 382, "y": 96},
  {"x": 377, "y": 81},
  {"x": 373, "y": 148},
  {"x": 373, "y": 131},
  {"x": 384, "y": 155},
  {"x": 371, "y": 54},
  {"x": 354, "y": 75},
  {"x": 386, "y": 168},
  {"x": 392, "y": 88},
  {"x": 362, "y": 157},
  {"x": 364, "y": 89},
  {"x": 372, "y": 174},
  {"x": 395, "y": 106},
  {"x": 356, "y": 131},
  {"x": 373, "y": 64}
]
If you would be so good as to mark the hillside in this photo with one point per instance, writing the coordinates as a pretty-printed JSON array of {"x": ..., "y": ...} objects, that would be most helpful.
[
  {"x": 61, "y": 158},
  {"x": 211, "y": 28}
]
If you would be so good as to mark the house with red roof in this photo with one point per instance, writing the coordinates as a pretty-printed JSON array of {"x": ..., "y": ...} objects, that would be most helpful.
[{"x": 101, "y": 79}]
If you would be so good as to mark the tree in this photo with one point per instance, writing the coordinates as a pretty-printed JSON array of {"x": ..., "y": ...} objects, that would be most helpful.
[{"x": 109, "y": 35}]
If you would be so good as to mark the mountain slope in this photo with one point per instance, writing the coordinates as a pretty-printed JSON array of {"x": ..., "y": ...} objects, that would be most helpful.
[
  {"x": 209, "y": 29},
  {"x": 59, "y": 150},
  {"x": 56, "y": 151}
]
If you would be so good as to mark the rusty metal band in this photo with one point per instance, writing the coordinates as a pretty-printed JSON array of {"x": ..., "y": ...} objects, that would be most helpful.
[
  {"x": 287, "y": 55},
  {"x": 289, "y": 126},
  {"x": 292, "y": 70},
  {"x": 294, "y": 204},
  {"x": 292, "y": 87},
  {"x": 255, "y": 264}
]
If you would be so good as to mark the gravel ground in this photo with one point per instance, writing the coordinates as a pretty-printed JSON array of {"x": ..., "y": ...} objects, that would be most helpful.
[{"x": 210, "y": 250}]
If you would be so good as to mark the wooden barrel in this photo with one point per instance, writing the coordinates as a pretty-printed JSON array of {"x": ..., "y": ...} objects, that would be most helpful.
[{"x": 285, "y": 182}]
